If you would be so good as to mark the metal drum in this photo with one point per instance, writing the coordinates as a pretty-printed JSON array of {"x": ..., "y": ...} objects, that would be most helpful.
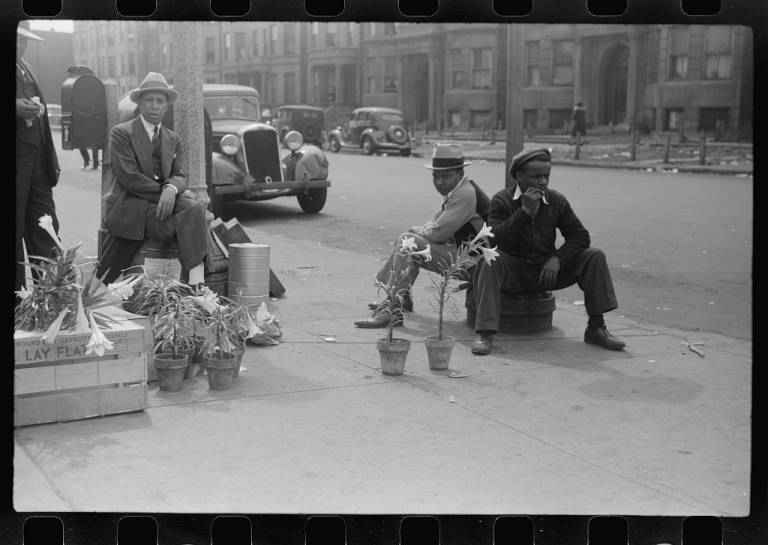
[{"x": 248, "y": 273}]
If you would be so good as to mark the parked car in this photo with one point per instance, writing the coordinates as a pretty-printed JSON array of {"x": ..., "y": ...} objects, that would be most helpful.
[
  {"x": 308, "y": 120},
  {"x": 245, "y": 153},
  {"x": 373, "y": 130}
]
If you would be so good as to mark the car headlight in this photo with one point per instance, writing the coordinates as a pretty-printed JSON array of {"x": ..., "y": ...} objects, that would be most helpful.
[
  {"x": 293, "y": 140},
  {"x": 230, "y": 144}
]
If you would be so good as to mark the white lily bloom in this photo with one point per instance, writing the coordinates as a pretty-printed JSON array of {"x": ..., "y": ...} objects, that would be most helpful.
[
  {"x": 46, "y": 222},
  {"x": 98, "y": 343},
  {"x": 489, "y": 254},
  {"x": 485, "y": 232},
  {"x": 81, "y": 322},
  {"x": 123, "y": 288},
  {"x": 426, "y": 253},
  {"x": 53, "y": 330},
  {"x": 408, "y": 244},
  {"x": 23, "y": 293},
  {"x": 28, "y": 281}
]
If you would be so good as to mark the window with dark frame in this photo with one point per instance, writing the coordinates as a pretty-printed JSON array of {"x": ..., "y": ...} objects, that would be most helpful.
[
  {"x": 717, "y": 59},
  {"x": 678, "y": 53},
  {"x": 390, "y": 75},
  {"x": 481, "y": 68},
  {"x": 533, "y": 72},
  {"x": 330, "y": 34},
  {"x": 562, "y": 62}
]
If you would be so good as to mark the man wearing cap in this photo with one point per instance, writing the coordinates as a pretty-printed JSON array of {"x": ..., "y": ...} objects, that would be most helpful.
[
  {"x": 524, "y": 220},
  {"x": 37, "y": 167},
  {"x": 456, "y": 220},
  {"x": 146, "y": 196}
]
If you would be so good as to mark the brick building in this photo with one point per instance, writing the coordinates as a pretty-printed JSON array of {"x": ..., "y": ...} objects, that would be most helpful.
[{"x": 657, "y": 77}]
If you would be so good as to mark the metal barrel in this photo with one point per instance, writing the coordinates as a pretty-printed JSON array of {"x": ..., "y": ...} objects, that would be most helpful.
[{"x": 248, "y": 273}]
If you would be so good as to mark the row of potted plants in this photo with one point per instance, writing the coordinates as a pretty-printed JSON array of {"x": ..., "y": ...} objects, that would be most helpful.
[{"x": 393, "y": 351}]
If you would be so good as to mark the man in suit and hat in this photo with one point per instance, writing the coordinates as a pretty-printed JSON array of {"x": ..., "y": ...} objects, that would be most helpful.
[
  {"x": 146, "y": 196},
  {"x": 37, "y": 167},
  {"x": 524, "y": 219},
  {"x": 456, "y": 220}
]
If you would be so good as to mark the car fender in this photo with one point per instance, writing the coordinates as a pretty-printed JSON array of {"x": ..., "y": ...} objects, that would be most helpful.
[
  {"x": 312, "y": 161},
  {"x": 368, "y": 132},
  {"x": 225, "y": 170}
]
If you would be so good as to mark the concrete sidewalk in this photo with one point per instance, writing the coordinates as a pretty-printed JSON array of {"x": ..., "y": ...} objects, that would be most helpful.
[{"x": 546, "y": 424}]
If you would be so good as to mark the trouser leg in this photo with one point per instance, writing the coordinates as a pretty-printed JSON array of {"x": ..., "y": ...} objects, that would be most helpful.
[
  {"x": 508, "y": 272},
  {"x": 116, "y": 255},
  {"x": 590, "y": 271},
  {"x": 441, "y": 254},
  {"x": 187, "y": 225},
  {"x": 37, "y": 201}
]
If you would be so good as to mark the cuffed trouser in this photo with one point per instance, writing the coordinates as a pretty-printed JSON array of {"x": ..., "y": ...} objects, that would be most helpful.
[
  {"x": 516, "y": 275},
  {"x": 34, "y": 199},
  {"x": 441, "y": 256},
  {"x": 186, "y": 225}
]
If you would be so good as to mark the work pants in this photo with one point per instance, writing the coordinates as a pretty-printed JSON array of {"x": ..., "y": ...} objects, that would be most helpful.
[
  {"x": 589, "y": 270},
  {"x": 441, "y": 256},
  {"x": 34, "y": 199},
  {"x": 186, "y": 226}
]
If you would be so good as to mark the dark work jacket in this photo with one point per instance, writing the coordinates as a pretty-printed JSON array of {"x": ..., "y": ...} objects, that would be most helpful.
[{"x": 533, "y": 238}]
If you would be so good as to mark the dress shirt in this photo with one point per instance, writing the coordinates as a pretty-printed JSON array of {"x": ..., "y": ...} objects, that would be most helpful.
[{"x": 150, "y": 128}]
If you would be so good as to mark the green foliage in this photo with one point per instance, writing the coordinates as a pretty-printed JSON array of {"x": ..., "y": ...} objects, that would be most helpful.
[
  {"x": 155, "y": 291},
  {"x": 175, "y": 327}
]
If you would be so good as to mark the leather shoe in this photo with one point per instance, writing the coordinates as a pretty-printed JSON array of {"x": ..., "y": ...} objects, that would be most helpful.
[
  {"x": 482, "y": 344},
  {"x": 380, "y": 319},
  {"x": 406, "y": 302},
  {"x": 601, "y": 337}
]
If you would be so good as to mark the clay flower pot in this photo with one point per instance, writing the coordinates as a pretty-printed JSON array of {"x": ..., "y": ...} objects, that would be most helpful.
[
  {"x": 393, "y": 355},
  {"x": 170, "y": 371},
  {"x": 439, "y": 351},
  {"x": 220, "y": 371}
]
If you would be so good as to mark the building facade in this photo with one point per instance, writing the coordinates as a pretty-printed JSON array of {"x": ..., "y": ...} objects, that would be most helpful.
[{"x": 654, "y": 77}]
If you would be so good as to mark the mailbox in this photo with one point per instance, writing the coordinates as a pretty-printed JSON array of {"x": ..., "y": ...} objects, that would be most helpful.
[{"x": 83, "y": 112}]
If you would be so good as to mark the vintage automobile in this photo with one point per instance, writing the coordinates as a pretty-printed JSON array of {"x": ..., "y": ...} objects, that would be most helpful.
[
  {"x": 245, "y": 153},
  {"x": 308, "y": 120},
  {"x": 373, "y": 130}
]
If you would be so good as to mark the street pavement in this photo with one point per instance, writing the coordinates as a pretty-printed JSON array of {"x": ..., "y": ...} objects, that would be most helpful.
[{"x": 545, "y": 424}]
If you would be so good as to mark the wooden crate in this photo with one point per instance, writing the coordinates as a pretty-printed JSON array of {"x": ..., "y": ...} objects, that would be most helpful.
[{"x": 59, "y": 382}]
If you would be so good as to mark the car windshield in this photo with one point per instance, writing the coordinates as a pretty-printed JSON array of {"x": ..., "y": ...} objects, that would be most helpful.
[{"x": 232, "y": 107}]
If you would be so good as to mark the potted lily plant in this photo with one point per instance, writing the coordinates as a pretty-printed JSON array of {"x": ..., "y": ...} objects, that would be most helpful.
[
  {"x": 220, "y": 346},
  {"x": 173, "y": 329},
  {"x": 393, "y": 351},
  {"x": 440, "y": 346}
]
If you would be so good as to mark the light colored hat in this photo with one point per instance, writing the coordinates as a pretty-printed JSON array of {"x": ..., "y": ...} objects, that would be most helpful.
[
  {"x": 528, "y": 155},
  {"x": 23, "y": 30},
  {"x": 154, "y": 81},
  {"x": 447, "y": 157}
]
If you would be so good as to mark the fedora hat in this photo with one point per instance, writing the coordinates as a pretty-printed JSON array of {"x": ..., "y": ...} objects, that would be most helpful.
[
  {"x": 154, "y": 81},
  {"x": 447, "y": 157},
  {"x": 23, "y": 30}
]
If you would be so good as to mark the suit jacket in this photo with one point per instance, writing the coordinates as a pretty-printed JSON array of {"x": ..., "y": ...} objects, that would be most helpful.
[
  {"x": 27, "y": 135},
  {"x": 133, "y": 190}
]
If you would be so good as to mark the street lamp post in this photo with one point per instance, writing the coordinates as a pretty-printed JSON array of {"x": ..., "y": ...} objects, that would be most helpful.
[{"x": 515, "y": 78}]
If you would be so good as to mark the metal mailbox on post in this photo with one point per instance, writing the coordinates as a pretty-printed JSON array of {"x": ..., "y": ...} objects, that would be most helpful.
[{"x": 83, "y": 111}]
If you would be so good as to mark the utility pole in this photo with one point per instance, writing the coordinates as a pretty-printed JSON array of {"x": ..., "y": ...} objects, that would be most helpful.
[
  {"x": 515, "y": 83},
  {"x": 188, "y": 117}
]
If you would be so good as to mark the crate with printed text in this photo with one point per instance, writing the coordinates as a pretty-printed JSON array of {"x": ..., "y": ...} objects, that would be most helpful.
[{"x": 60, "y": 382}]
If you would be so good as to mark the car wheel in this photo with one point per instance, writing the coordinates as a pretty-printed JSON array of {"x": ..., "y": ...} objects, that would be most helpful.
[
  {"x": 313, "y": 201},
  {"x": 219, "y": 207},
  {"x": 367, "y": 145},
  {"x": 333, "y": 142},
  {"x": 405, "y": 152}
]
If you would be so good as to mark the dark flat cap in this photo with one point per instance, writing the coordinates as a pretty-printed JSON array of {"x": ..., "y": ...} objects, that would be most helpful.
[{"x": 528, "y": 155}]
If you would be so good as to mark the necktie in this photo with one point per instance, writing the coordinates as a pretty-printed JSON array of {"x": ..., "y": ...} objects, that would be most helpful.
[{"x": 154, "y": 136}]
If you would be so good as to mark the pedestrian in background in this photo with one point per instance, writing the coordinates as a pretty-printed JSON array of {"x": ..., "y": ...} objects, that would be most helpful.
[
  {"x": 37, "y": 167},
  {"x": 73, "y": 71},
  {"x": 578, "y": 121}
]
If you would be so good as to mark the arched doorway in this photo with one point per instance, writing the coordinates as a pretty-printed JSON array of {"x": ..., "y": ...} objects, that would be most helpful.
[{"x": 614, "y": 68}]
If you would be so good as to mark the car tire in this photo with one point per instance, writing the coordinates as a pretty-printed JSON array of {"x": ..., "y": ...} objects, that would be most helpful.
[
  {"x": 333, "y": 142},
  {"x": 313, "y": 201},
  {"x": 367, "y": 145},
  {"x": 405, "y": 152}
]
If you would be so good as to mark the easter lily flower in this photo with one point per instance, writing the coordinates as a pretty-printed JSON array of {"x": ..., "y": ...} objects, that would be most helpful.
[
  {"x": 98, "y": 343},
  {"x": 53, "y": 330},
  {"x": 46, "y": 222},
  {"x": 426, "y": 253},
  {"x": 23, "y": 293},
  {"x": 124, "y": 288},
  {"x": 489, "y": 254},
  {"x": 81, "y": 320},
  {"x": 484, "y": 233},
  {"x": 408, "y": 244}
]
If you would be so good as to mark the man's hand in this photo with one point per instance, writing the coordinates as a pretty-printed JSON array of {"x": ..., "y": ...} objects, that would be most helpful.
[
  {"x": 166, "y": 202},
  {"x": 26, "y": 109},
  {"x": 548, "y": 274},
  {"x": 531, "y": 200}
]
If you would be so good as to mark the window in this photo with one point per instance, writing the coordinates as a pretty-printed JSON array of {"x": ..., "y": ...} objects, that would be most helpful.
[
  {"x": 370, "y": 76},
  {"x": 227, "y": 46},
  {"x": 530, "y": 119},
  {"x": 330, "y": 34},
  {"x": 273, "y": 88},
  {"x": 559, "y": 119},
  {"x": 240, "y": 50},
  {"x": 350, "y": 34},
  {"x": 458, "y": 75},
  {"x": 289, "y": 39},
  {"x": 389, "y": 29},
  {"x": 678, "y": 56},
  {"x": 210, "y": 50},
  {"x": 255, "y": 43},
  {"x": 717, "y": 61},
  {"x": 454, "y": 118},
  {"x": 274, "y": 36},
  {"x": 289, "y": 82},
  {"x": 481, "y": 69},
  {"x": 711, "y": 119},
  {"x": 390, "y": 75},
  {"x": 480, "y": 118},
  {"x": 562, "y": 62},
  {"x": 315, "y": 34},
  {"x": 533, "y": 75},
  {"x": 673, "y": 119},
  {"x": 371, "y": 29}
]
